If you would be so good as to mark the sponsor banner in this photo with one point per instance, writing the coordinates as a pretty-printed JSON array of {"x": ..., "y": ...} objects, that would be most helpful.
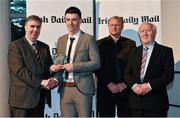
[{"x": 133, "y": 12}]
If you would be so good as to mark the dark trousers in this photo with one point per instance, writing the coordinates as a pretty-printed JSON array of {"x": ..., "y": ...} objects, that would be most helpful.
[
  {"x": 38, "y": 111},
  {"x": 142, "y": 113},
  {"x": 107, "y": 103}
]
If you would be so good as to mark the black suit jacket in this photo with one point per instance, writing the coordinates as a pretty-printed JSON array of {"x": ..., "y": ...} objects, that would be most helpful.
[
  {"x": 160, "y": 72},
  {"x": 26, "y": 73},
  {"x": 113, "y": 60}
]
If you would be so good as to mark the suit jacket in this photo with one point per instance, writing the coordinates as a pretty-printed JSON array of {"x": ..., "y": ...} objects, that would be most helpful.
[
  {"x": 26, "y": 73},
  {"x": 160, "y": 72},
  {"x": 86, "y": 60},
  {"x": 113, "y": 59}
]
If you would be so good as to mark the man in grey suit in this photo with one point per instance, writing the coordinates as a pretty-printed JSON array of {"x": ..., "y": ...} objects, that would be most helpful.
[
  {"x": 78, "y": 84},
  {"x": 29, "y": 62}
]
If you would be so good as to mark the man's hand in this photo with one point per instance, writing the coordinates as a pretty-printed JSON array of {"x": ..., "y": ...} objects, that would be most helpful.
[
  {"x": 68, "y": 67},
  {"x": 55, "y": 67},
  {"x": 44, "y": 83},
  {"x": 49, "y": 83},
  {"x": 137, "y": 89},
  {"x": 145, "y": 87},
  {"x": 142, "y": 89},
  {"x": 113, "y": 88},
  {"x": 121, "y": 86}
]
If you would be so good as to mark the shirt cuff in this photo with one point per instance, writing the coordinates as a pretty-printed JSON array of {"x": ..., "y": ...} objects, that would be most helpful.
[
  {"x": 134, "y": 86},
  {"x": 55, "y": 79},
  {"x": 149, "y": 86}
]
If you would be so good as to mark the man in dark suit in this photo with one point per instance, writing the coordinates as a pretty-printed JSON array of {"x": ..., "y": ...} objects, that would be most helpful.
[
  {"x": 150, "y": 69},
  {"x": 78, "y": 84},
  {"x": 29, "y": 63},
  {"x": 112, "y": 92}
]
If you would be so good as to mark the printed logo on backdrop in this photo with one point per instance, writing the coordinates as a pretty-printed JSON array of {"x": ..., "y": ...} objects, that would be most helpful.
[
  {"x": 133, "y": 20},
  {"x": 56, "y": 19},
  {"x": 88, "y": 19},
  {"x": 132, "y": 33}
]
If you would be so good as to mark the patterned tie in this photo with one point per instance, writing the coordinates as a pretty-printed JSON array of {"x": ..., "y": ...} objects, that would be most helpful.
[
  {"x": 69, "y": 54},
  {"x": 143, "y": 62},
  {"x": 36, "y": 52}
]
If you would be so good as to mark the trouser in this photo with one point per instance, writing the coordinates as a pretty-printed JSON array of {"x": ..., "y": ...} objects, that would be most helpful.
[
  {"x": 107, "y": 103},
  {"x": 73, "y": 103},
  {"x": 38, "y": 111},
  {"x": 143, "y": 113}
]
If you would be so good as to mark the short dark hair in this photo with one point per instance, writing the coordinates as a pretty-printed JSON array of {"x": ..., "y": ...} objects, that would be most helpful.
[
  {"x": 33, "y": 17},
  {"x": 73, "y": 10}
]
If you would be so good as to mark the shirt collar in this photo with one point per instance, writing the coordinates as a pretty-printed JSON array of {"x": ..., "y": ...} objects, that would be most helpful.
[
  {"x": 149, "y": 46},
  {"x": 76, "y": 36},
  {"x": 30, "y": 42}
]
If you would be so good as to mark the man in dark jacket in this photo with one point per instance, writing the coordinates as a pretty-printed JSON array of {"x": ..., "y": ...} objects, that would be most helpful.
[
  {"x": 112, "y": 92},
  {"x": 29, "y": 62},
  {"x": 150, "y": 69}
]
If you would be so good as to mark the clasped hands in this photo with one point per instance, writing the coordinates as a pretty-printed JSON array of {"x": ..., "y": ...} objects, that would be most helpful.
[
  {"x": 141, "y": 89},
  {"x": 49, "y": 83},
  {"x": 115, "y": 88}
]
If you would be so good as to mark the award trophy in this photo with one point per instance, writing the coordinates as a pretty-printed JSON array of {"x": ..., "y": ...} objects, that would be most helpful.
[{"x": 61, "y": 59}]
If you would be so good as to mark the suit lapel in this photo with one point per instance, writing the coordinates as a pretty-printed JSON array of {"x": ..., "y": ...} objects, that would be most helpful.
[
  {"x": 29, "y": 50},
  {"x": 78, "y": 44},
  {"x": 30, "y": 54},
  {"x": 152, "y": 58},
  {"x": 139, "y": 59},
  {"x": 64, "y": 45}
]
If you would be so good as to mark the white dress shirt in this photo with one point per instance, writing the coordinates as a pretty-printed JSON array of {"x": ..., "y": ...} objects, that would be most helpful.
[{"x": 76, "y": 36}]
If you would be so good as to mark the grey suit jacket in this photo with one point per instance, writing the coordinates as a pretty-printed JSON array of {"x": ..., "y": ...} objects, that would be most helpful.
[
  {"x": 86, "y": 60},
  {"x": 26, "y": 73}
]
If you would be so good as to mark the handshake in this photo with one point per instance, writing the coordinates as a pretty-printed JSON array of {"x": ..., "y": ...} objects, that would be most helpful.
[{"x": 49, "y": 83}]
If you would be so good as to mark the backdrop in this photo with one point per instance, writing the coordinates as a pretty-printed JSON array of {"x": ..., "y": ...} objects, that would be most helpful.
[{"x": 95, "y": 15}]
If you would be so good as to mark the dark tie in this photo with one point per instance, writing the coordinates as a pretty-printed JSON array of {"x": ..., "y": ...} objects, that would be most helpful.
[
  {"x": 143, "y": 62},
  {"x": 36, "y": 52},
  {"x": 69, "y": 54}
]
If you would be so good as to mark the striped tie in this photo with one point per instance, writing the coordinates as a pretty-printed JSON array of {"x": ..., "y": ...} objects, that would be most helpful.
[
  {"x": 143, "y": 62},
  {"x": 34, "y": 46}
]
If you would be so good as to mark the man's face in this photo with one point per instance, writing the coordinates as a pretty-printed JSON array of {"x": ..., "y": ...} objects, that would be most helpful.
[
  {"x": 146, "y": 34},
  {"x": 73, "y": 22},
  {"x": 32, "y": 29},
  {"x": 115, "y": 27}
]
